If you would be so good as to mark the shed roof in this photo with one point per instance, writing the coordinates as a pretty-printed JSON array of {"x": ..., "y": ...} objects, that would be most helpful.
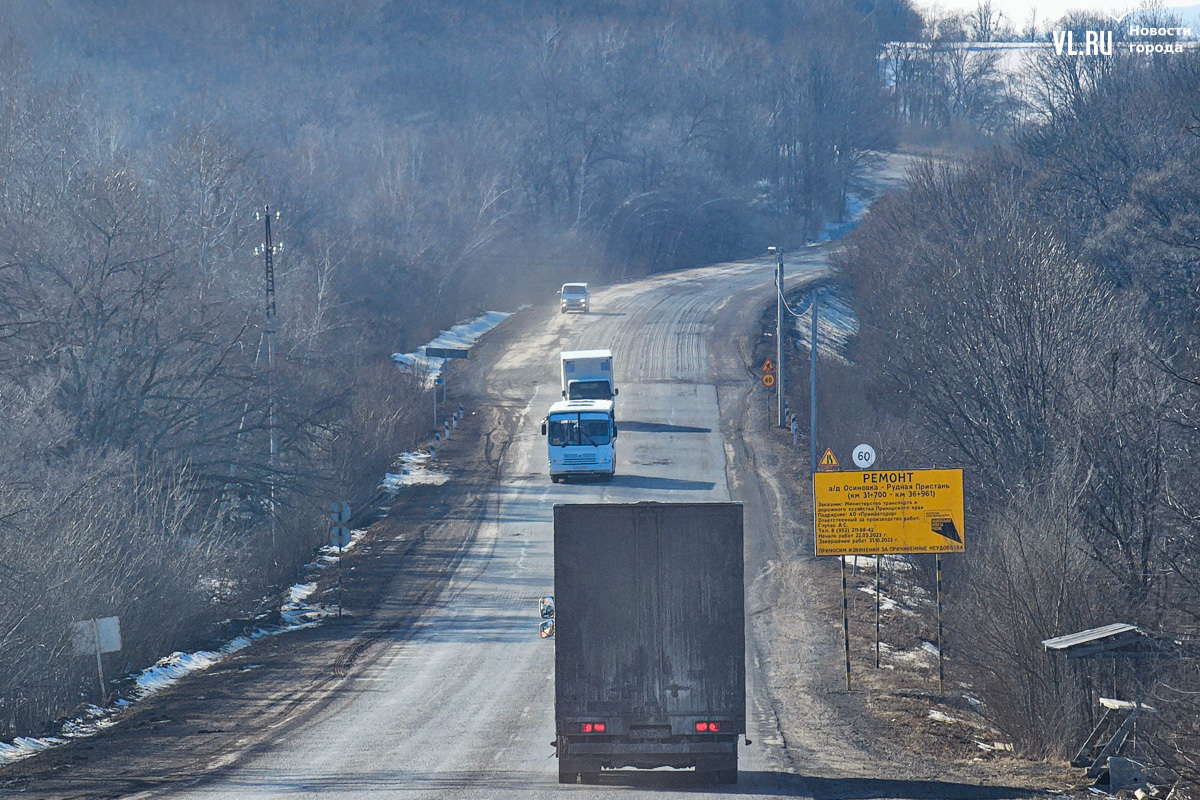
[{"x": 1118, "y": 640}]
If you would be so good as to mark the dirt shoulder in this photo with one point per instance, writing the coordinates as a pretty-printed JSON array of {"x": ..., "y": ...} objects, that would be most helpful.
[{"x": 216, "y": 719}]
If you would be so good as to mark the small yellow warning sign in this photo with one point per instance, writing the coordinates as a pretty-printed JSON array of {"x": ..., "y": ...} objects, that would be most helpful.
[
  {"x": 828, "y": 461},
  {"x": 768, "y": 366},
  {"x": 768, "y": 379}
]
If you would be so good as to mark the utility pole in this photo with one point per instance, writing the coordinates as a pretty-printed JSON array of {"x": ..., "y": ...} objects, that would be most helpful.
[
  {"x": 812, "y": 386},
  {"x": 781, "y": 381},
  {"x": 269, "y": 249}
]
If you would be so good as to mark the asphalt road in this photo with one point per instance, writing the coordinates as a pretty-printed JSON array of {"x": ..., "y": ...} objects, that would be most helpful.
[{"x": 464, "y": 705}]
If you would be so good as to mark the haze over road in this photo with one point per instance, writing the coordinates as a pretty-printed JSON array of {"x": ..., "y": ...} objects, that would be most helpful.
[{"x": 465, "y": 705}]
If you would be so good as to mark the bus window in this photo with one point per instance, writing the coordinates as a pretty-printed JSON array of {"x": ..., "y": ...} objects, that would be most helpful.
[
  {"x": 576, "y": 430},
  {"x": 595, "y": 429},
  {"x": 564, "y": 431}
]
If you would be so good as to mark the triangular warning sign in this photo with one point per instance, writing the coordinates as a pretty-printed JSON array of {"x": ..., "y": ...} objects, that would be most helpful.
[
  {"x": 768, "y": 366},
  {"x": 828, "y": 461}
]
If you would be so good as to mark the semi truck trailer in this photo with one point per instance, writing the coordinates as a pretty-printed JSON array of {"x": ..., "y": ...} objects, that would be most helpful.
[{"x": 649, "y": 664}]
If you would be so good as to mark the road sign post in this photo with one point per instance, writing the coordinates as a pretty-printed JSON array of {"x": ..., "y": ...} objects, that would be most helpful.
[
  {"x": 100, "y": 636},
  {"x": 890, "y": 511},
  {"x": 768, "y": 380},
  {"x": 812, "y": 385},
  {"x": 437, "y": 381},
  {"x": 941, "y": 660},
  {"x": 845, "y": 617},
  {"x": 878, "y": 571},
  {"x": 340, "y": 537}
]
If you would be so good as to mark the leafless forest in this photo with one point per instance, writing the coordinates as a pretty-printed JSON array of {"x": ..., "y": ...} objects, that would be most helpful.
[
  {"x": 427, "y": 160},
  {"x": 1033, "y": 319}
]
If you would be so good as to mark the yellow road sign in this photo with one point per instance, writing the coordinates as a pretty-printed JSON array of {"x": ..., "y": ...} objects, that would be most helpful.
[
  {"x": 768, "y": 366},
  {"x": 828, "y": 461},
  {"x": 768, "y": 379},
  {"x": 893, "y": 511}
]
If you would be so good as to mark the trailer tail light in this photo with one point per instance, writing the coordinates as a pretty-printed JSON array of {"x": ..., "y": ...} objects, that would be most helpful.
[
  {"x": 593, "y": 727},
  {"x": 708, "y": 727}
]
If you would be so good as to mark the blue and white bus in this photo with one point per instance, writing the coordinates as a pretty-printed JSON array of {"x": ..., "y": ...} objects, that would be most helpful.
[{"x": 581, "y": 438}]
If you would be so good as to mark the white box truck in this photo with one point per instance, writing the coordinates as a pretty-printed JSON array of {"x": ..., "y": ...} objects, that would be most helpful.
[{"x": 587, "y": 375}]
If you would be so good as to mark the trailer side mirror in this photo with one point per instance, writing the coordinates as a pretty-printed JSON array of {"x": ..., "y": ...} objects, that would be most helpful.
[
  {"x": 614, "y": 430},
  {"x": 547, "y": 629},
  {"x": 616, "y": 392},
  {"x": 546, "y": 605},
  {"x": 543, "y": 427}
]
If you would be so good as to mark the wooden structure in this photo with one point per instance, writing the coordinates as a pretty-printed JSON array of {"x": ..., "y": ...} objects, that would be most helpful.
[{"x": 1118, "y": 725}]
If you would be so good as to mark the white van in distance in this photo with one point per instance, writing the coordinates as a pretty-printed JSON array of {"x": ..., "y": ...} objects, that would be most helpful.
[
  {"x": 574, "y": 297},
  {"x": 581, "y": 438}
]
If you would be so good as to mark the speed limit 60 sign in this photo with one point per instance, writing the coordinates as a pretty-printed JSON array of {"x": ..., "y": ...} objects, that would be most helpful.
[{"x": 863, "y": 456}]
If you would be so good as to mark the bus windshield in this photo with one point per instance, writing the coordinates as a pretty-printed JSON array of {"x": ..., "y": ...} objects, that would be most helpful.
[{"x": 580, "y": 429}]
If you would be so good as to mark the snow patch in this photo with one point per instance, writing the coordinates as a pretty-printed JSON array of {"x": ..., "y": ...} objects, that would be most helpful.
[
  {"x": 890, "y": 563},
  {"x": 837, "y": 324},
  {"x": 917, "y": 658},
  {"x": 25, "y": 746},
  {"x": 856, "y": 209},
  {"x": 170, "y": 669},
  {"x": 885, "y": 603},
  {"x": 461, "y": 336},
  {"x": 412, "y": 469}
]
